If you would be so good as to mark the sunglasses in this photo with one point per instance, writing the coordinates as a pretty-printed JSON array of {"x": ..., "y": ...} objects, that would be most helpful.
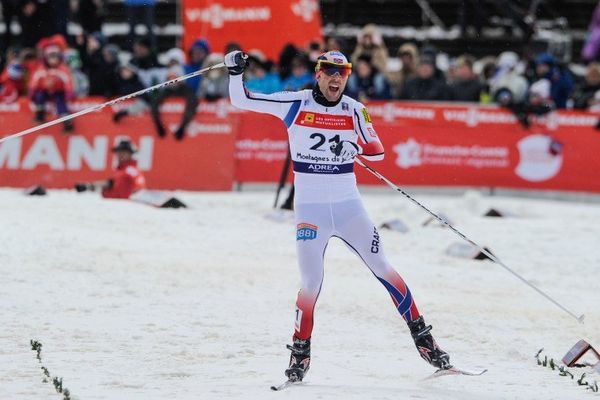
[{"x": 332, "y": 69}]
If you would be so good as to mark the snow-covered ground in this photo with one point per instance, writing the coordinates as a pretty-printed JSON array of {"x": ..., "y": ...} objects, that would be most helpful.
[{"x": 133, "y": 302}]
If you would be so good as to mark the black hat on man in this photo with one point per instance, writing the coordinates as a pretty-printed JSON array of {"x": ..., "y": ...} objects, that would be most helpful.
[{"x": 124, "y": 145}]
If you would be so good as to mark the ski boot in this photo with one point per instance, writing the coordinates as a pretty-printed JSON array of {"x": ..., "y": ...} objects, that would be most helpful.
[
  {"x": 40, "y": 115},
  {"x": 179, "y": 133},
  {"x": 299, "y": 360},
  {"x": 426, "y": 345},
  {"x": 68, "y": 126},
  {"x": 119, "y": 115}
]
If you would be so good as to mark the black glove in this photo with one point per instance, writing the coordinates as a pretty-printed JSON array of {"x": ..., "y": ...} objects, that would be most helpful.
[
  {"x": 235, "y": 62},
  {"x": 82, "y": 187},
  {"x": 348, "y": 150}
]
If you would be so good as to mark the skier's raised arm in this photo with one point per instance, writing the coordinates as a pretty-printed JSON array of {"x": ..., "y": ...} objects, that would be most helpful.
[{"x": 281, "y": 104}]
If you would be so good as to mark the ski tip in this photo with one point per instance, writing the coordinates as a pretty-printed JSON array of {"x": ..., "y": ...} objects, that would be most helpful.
[
  {"x": 454, "y": 371},
  {"x": 282, "y": 386},
  {"x": 285, "y": 385},
  {"x": 581, "y": 319}
]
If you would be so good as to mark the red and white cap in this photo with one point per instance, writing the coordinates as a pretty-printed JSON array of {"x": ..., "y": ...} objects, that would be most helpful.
[{"x": 52, "y": 49}]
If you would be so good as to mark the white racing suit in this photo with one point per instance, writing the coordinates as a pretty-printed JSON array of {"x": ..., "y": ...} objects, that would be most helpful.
[{"x": 327, "y": 202}]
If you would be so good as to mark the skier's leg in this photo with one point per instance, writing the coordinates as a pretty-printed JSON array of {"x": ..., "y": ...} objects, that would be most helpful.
[
  {"x": 313, "y": 230},
  {"x": 354, "y": 227}
]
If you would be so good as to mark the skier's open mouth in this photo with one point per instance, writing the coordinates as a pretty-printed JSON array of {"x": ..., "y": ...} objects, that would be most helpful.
[{"x": 334, "y": 88}]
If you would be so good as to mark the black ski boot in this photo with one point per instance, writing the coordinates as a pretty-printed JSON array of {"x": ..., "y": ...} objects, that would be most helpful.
[
  {"x": 119, "y": 115},
  {"x": 428, "y": 348},
  {"x": 40, "y": 115},
  {"x": 299, "y": 360},
  {"x": 68, "y": 126}
]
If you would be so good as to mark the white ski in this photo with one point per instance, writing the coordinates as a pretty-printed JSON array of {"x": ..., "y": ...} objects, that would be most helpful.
[
  {"x": 455, "y": 371},
  {"x": 286, "y": 384}
]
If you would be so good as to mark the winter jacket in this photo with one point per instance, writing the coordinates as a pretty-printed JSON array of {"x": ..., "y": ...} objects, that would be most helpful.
[
  {"x": 138, "y": 3},
  {"x": 8, "y": 92},
  {"x": 293, "y": 83},
  {"x": 592, "y": 42},
  {"x": 127, "y": 86},
  {"x": 424, "y": 89},
  {"x": 194, "y": 82},
  {"x": 127, "y": 180},
  {"x": 268, "y": 84},
  {"x": 150, "y": 70},
  {"x": 374, "y": 86},
  {"x": 52, "y": 80},
  {"x": 96, "y": 69},
  {"x": 583, "y": 95},
  {"x": 561, "y": 87},
  {"x": 466, "y": 90},
  {"x": 214, "y": 88}
]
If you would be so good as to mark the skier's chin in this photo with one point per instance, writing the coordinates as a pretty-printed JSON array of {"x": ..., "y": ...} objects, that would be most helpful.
[{"x": 333, "y": 93}]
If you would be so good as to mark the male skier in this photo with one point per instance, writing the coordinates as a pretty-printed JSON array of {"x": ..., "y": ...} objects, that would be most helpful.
[{"x": 326, "y": 131}]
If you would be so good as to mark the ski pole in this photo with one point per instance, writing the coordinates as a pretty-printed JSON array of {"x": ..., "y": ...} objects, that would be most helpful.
[
  {"x": 464, "y": 237},
  {"x": 283, "y": 177},
  {"x": 108, "y": 103}
]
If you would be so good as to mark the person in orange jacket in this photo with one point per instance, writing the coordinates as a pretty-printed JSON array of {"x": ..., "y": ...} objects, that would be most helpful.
[{"x": 127, "y": 180}]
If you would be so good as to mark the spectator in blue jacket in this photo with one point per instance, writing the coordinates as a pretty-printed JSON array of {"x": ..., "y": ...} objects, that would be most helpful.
[
  {"x": 260, "y": 77},
  {"x": 300, "y": 78},
  {"x": 561, "y": 80},
  {"x": 197, "y": 53},
  {"x": 140, "y": 11}
]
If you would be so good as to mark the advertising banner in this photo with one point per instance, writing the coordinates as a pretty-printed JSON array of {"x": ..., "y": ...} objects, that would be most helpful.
[
  {"x": 451, "y": 145},
  {"x": 202, "y": 161},
  {"x": 260, "y": 149},
  {"x": 454, "y": 145},
  {"x": 264, "y": 25},
  {"x": 425, "y": 144}
]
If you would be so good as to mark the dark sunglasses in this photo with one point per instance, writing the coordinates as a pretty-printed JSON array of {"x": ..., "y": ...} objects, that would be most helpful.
[{"x": 332, "y": 69}]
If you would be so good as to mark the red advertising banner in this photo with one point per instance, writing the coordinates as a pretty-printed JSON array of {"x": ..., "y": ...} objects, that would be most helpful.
[
  {"x": 454, "y": 145},
  {"x": 264, "y": 25},
  {"x": 203, "y": 161},
  {"x": 451, "y": 145},
  {"x": 426, "y": 144},
  {"x": 260, "y": 149}
]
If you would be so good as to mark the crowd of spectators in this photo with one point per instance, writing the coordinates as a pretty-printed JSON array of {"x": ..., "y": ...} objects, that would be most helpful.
[{"x": 52, "y": 68}]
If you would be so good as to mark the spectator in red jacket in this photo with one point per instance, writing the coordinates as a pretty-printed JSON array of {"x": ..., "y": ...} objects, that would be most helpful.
[
  {"x": 14, "y": 71},
  {"x": 12, "y": 82},
  {"x": 51, "y": 81},
  {"x": 127, "y": 180}
]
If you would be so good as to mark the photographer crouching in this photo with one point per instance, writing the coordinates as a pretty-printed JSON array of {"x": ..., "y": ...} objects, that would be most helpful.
[{"x": 127, "y": 180}]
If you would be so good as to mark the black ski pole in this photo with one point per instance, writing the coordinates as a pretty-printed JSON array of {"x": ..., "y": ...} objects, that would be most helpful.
[
  {"x": 283, "y": 177},
  {"x": 492, "y": 257}
]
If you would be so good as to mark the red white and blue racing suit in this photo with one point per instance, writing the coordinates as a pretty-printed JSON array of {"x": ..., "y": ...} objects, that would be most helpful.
[{"x": 327, "y": 202}]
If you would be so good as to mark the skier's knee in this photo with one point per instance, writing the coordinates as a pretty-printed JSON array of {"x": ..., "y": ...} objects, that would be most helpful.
[{"x": 311, "y": 286}]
